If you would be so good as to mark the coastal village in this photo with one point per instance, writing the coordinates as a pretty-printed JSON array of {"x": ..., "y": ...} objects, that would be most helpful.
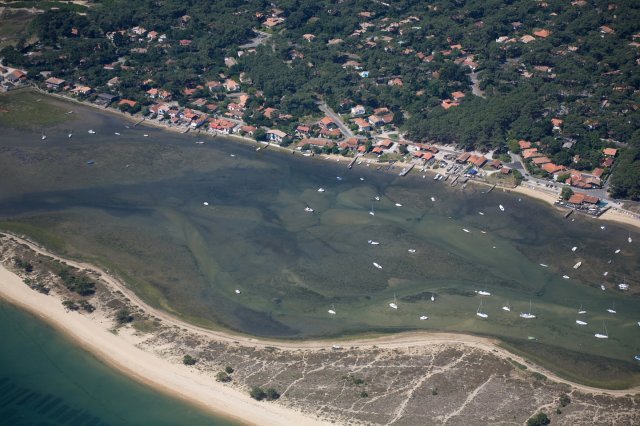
[{"x": 231, "y": 104}]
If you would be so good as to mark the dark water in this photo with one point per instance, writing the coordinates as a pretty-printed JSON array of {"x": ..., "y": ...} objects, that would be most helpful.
[
  {"x": 138, "y": 209},
  {"x": 47, "y": 380}
]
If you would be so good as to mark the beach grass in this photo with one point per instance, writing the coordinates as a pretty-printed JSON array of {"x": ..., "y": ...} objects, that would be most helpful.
[
  {"x": 583, "y": 368},
  {"x": 13, "y": 26},
  {"x": 29, "y": 110}
]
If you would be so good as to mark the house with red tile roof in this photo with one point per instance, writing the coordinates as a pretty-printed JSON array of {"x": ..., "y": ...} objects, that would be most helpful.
[
  {"x": 54, "y": 83},
  {"x": 457, "y": 96},
  {"x": 530, "y": 153},
  {"x": 610, "y": 152},
  {"x": 363, "y": 125},
  {"x": 128, "y": 102},
  {"x": 582, "y": 198},
  {"x": 524, "y": 144},
  {"x": 275, "y": 135},
  {"x": 448, "y": 103},
  {"x": 327, "y": 123},
  {"x": 557, "y": 123},
  {"x": 542, "y": 33},
  {"x": 539, "y": 161},
  {"x": 551, "y": 168}
]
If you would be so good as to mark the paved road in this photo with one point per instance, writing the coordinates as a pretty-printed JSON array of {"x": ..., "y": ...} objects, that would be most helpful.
[
  {"x": 260, "y": 39},
  {"x": 337, "y": 119}
]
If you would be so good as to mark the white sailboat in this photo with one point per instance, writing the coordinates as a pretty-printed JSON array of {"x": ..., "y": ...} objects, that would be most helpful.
[
  {"x": 481, "y": 214},
  {"x": 372, "y": 211},
  {"x": 544, "y": 265},
  {"x": 398, "y": 205},
  {"x": 612, "y": 309},
  {"x": 501, "y": 207},
  {"x": 566, "y": 277},
  {"x": 433, "y": 199},
  {"x": 205, "y": 203},
  {"x": 527, "y": 315},
  {"x": 91, "y": 131},
  {"x": 580, "y": 322},
  {"x": 424, "y": 317},
  {"x": 237, "y": 291},
  {"x": 433, "y": 297},
  {"x": 308, "y": 209},
  {"x": 602, "y": 287},
  {"x": 574, "y": 248},
  {"x": 479, "y": 313},
  {"x": 604, "y": 334},
  {"x": 507, "y": 307},
  {"x": 581, "y": 311},
  {"x": 394, "y": 304},
  {"x": 377, "y": 265},
  {"x": 411, "y": 250},
  {"x": 465, "y": 230},
  {"x": 373, "y": 243},
  {"x": 617, "y": 251},
  {"x": 44, "y": 136},
  {"x": 623, "y": 285},
  {"x": 320, "y": 189},
  {"x": 484, "y": 293},
  {"x": 629, "y": 239},
  {"x": 332, "y": 311},
  {"x": 70, "y": 135}
]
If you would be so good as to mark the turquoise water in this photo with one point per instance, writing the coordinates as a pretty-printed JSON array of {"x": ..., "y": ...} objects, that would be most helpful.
[
  {"x": 46, "y": 379},
  {"x": 138, "y": 210}
]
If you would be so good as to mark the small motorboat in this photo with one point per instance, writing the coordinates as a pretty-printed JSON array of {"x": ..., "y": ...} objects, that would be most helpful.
[
  {"x": 320, "y": 189},
  {"x": 308, "y": 209},
  {"x": 501, "y": 207},
  {"x": 238, "y": 291},
  {"x": 398, "y": 205},
  {"x": 423, "y": 318},
  {"x": 544, "y": 265},
  {"x": 465, "y": 230},
  {"x": 579, "y": 322},
  {"x": 566, "y": 277},
  {"x": 602, "y": 287},
  {"x": 373, "y": 243},
  {"x": 206, "y": 203},
  {"x": 574, "y": 248},
  {"x": 484, "y": 293},
  {"x": 91, "y": 131},
  {"x": 411, "y": 250},
  {"x": 433, "y": 199},
  {"x": 377, "y": 265}
]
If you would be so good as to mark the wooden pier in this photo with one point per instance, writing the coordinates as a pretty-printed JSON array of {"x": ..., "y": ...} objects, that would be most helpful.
[
  {"x": 352, "y": 162},
  {"x": 406, "y": 170}
]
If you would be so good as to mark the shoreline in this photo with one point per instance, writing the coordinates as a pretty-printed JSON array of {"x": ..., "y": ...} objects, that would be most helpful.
[
  {"x": 613, "y": 214},
  {"x": 185, "y": 384},
  {"x": 120, "y": 352}
]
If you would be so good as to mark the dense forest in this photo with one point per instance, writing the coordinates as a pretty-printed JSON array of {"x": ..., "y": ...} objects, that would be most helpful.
[{"x": 533, "y": 61}]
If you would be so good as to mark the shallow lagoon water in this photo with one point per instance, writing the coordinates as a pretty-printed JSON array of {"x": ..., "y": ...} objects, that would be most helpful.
[{"x": 138, "y": 210}]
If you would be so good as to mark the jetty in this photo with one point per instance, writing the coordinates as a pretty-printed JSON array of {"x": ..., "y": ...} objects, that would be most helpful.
[
  {"x": 455, "y": 180},
  {"x": 406, "y": 170},
  {"x": 568, "y": 213},
  {"x": 352, "y": 162},
  {"x": 492, "y": 188},
  {"x": 139, "y": 122}
]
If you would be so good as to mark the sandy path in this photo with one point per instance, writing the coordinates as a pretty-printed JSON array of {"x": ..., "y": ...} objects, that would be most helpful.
[{"x": 55, "y": 313}]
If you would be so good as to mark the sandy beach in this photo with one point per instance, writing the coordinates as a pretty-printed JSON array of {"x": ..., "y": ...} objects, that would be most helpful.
[{"x": 119, "y": 351}]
